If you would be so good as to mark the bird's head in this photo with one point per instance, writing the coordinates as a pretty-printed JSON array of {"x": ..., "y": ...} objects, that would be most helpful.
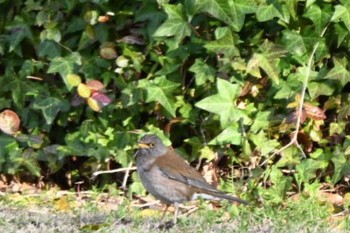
[{"x": 151, "y": 145}]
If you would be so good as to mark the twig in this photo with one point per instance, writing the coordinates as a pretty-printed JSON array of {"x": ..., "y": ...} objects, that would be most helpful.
[
  {"x": 126, "y": 176},
  {"x": 147, "y": 204},
  {"x": 114, "y": 171},
  {"x": 294, "y": 140}
]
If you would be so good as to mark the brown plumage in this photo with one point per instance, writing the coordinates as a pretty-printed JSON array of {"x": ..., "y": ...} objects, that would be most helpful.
[{"x": 169, "y": 178}]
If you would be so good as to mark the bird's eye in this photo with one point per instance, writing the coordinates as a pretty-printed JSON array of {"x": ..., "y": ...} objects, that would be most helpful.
[{"x": 151, "y": 145}]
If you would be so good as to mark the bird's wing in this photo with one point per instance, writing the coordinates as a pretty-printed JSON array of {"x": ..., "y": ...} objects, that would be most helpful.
[{"x": 175, "y": 168}]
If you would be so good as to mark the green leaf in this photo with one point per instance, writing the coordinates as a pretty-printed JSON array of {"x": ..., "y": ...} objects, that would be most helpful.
[
  {"x": 230, "y": 135},
  {"x": 266, "y": 60},
  {"x": 342, "y": 13},
  {"x": 19, "y": 87},
  {"x": 224, "y": 45},
  {"x": 231, "y": 12},
  {"x": 320, "y": 17},
  {"x": 289, "y": 156},
  {"x": 341, "y": 33},
  {"x": 49, "y": 48},
  {"x": 160, "y": 90},
  {"x": 261, "y": 121},
  {"x": 275, "y": 10},
  {"x": 223, "y": 103},
  {"x": 64, "y": 66},
  {"x": 19, "y": 30},
  {"x": 263, "y": 144},
  {"x": 339, "y": 72},
  {"x": 320, "y": 88},
  {"x": 306, "y": 170},
  {"x": 50, "y": 107},
  {"x": 202, "y": 72},
  {"x": 176, "y": 24}
]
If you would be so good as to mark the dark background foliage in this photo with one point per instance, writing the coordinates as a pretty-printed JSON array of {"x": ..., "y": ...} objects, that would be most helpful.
[{"x": 216, "y": 77}]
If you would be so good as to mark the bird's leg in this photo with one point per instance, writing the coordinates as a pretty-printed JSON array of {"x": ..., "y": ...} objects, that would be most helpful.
[
  {"x": 176, "y": 212},
  {"x": 163, "y": 215}
]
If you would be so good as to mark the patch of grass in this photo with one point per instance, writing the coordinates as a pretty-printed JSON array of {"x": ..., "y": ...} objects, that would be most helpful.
[{"x": 39, "y": 213}]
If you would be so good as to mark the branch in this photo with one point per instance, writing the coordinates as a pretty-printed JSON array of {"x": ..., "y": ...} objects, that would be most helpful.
[{"x": 294, "y": 140}]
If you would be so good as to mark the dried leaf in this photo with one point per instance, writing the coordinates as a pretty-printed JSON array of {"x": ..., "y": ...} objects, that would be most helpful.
[
  {"x": 108, "y": 53},
  {"x": 103, "y": 18},
  {"x": 77, "y": 100},
  {"x": 305, "y": 140},
  {"x": 333, "y": 198},
  {"x": 62, "y": 204},
  {"x": 293, "y": 116},
  {"x": 94, "y": 104},
  {"x": 122, "y": 62},
  {"x": 132, "y": 40},
  {"x": 9, "y": 122},
  {"x": 95, "y": 85},
  {"x": 101, "y": 98},
  {"x": 314, "y": 112},
  {"x": 84, "y": 91}
]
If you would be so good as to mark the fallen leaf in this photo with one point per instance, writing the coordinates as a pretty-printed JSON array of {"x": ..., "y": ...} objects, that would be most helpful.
[{"x": 62, "y": 204}]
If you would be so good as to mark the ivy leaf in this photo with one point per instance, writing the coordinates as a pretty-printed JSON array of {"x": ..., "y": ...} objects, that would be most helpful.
[
  {"x": 342, "y": 13},
  {"x": 160, "y": 90},
  {"x": 223, "y": 103},
  {"x": 18, "y": 87},
  {"x": 339, "y": 72},
  {"x": 230, "y": 135},
  {"x": 261, "y": 121},
  {"x": 263, "y": 144},
  {"x": 202, "y": 72},
  {"x": 225, "y": 44},
  {"x": 50, "y": 107},
  {"x": 294, "y": 43},
  {"x": 274, "y": 10},
  {"x": 266, "y": 60},
  {"x": 320, "y": 17},
  {"x": 176, "y": 24},
  {"x": 49, "y": 48},
  {"x": 65, "y": 66},
  {"x": 320, "y": 88},
  {"x": 306, "y": 170},
  {"x": 341, "y": 167},
  {"x": 19, "y": 30},
  {"x": 231, "y": 12}
]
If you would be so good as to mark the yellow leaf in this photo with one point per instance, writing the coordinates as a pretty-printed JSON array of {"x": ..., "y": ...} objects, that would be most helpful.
[
  {"x": 73, "y": 79},
  {"x": 62, "y": 204},
  {"x": 149, "y": 212},
  {"x": 94, "y": 104},
  {"x": 83, "y": 90}
]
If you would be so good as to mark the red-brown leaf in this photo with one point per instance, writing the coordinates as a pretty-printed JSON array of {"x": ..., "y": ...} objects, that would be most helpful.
[
  {"x": 101, "y": 98},
  {"x": 95, "y": 85},
  {"x": 9, "y": 122},
  {"x": 314, "y": 112}
]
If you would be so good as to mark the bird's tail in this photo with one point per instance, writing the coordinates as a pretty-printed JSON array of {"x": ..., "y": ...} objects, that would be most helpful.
[
  {"x": 216, "y": 194},
  {"x": 230, "y": 198}
]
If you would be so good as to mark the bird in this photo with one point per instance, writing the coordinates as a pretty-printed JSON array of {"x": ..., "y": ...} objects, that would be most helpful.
[{"x": 169, "y": 178}]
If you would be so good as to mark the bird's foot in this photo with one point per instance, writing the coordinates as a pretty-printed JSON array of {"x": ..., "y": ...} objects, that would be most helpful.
[{"x": 166, "y": 226}]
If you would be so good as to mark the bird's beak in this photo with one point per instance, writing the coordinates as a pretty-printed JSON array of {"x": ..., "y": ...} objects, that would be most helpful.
[{"x": 143, "y": 145}]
